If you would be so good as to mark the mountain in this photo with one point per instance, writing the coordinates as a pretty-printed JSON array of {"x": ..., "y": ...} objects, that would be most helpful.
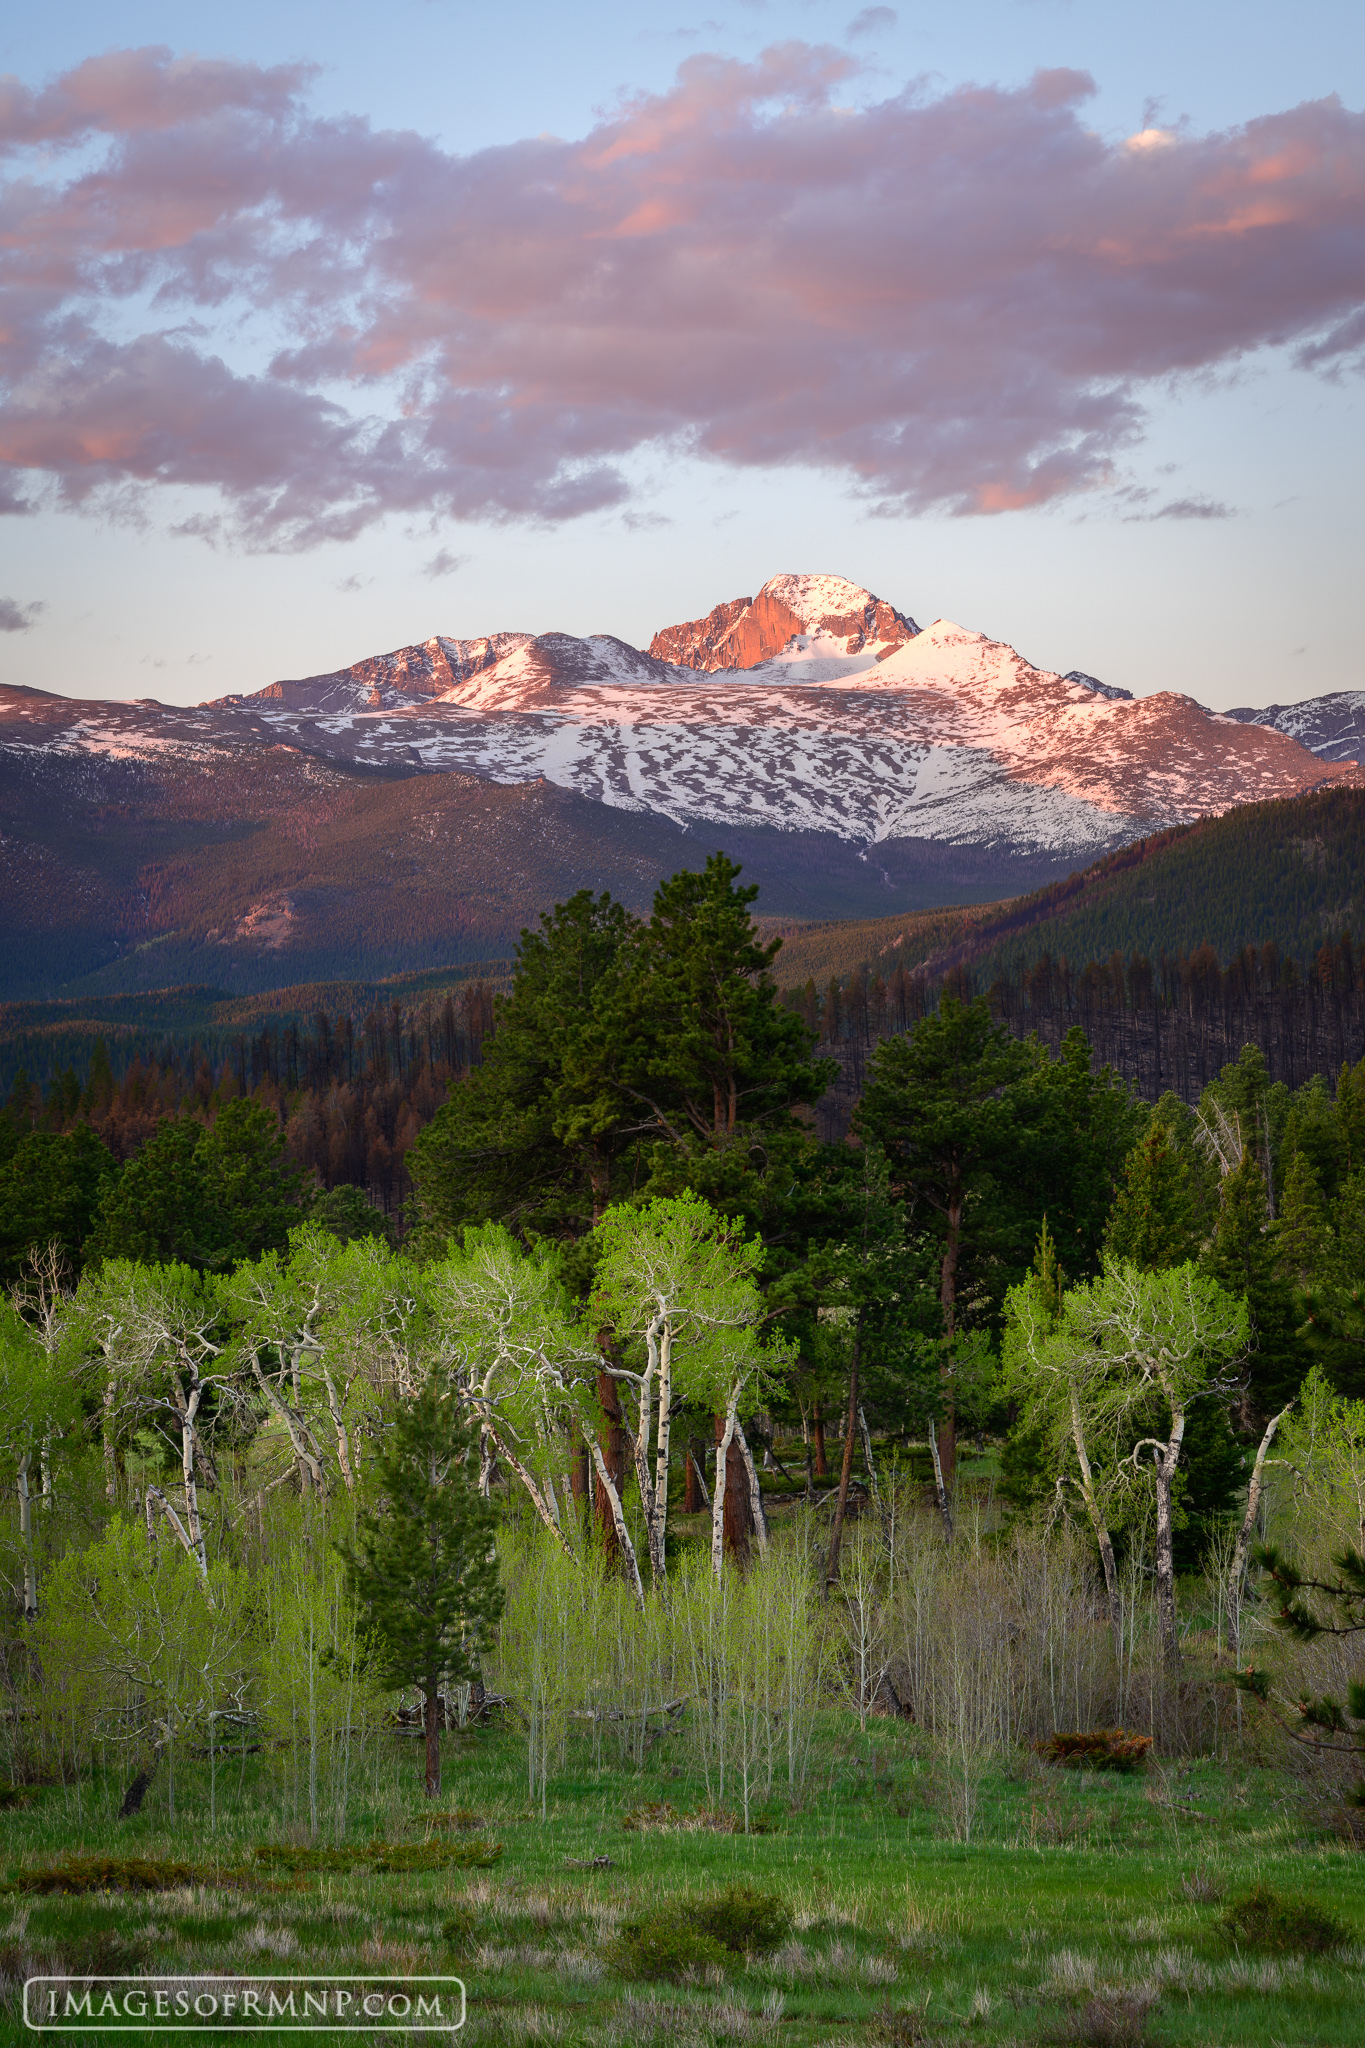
[
  {"x": 1332, "y": 727},
  {"x": 750, "y": 630},
  {"x": 421, "y": 806}
]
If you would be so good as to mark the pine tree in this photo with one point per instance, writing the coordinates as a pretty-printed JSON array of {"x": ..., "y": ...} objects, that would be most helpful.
[
  {"x": 1152, "y": 1223},
  {"x": 1241, "y": 1259},
  {"x": 943, "y": 1105},
  {"x": 532, "y": 1136},
  {"x": 705, "y": 1047},
  {"x": 1300, "y": 1229},
  {"x": 1350, "y": 1106},
  {"x": 423, "y": 1572}
]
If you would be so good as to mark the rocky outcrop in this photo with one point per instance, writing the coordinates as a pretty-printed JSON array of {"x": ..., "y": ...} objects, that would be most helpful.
[
  {"x": 431, "y": 669},
  {"x": 750, "y": 630}
]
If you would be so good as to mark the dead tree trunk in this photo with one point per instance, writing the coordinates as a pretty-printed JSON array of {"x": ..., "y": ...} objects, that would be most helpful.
[
  {"x": 694, "y": 1495},
  {"x": 613, "y": 1448}
]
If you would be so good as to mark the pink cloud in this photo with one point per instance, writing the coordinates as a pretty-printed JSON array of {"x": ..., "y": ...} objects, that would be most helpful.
[
  {"x": 125, "y": 91},
  {"x": 952, "y": 302}
]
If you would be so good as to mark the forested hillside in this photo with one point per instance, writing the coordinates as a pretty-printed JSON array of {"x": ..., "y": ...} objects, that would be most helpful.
[{"x": 1290, "y": 874}]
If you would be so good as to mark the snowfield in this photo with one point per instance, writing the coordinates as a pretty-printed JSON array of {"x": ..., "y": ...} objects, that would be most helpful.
[{"x": 944, "y": 734}]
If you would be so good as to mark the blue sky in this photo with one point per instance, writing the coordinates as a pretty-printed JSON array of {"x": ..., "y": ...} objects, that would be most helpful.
[{"x": 1206, "y": 541}]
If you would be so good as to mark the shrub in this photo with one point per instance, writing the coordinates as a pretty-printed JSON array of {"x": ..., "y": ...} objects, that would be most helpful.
[
  {"x": 742, "y": 1919},
  {"x": 1266, "y": 1919},
  {"x": 1113, "y": 2019},
  {"x": 384, "y": 1858},
  {"x": 664, "y": 1946},
  {"x": 460, "y": 1931},
  {"x": 106, "y": 1874},
  {"x": 655, "y": 1813},
  {"x": 436, "y": 1856},
  {"x": 283, "y": 1856},
  {"x": 1101, "y": 1749}
]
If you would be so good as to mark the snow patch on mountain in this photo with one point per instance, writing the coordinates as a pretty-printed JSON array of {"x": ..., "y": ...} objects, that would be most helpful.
[
  {"x": 1333, "y": 727},
  {"x": 838, "y": 715}
]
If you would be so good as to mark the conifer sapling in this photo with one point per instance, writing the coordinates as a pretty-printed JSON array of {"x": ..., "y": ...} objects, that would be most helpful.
[{"x": 422, "y": 1569}]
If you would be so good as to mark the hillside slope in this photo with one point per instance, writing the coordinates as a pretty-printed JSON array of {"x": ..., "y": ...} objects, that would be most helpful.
[{"x": 1290, "y": 873}]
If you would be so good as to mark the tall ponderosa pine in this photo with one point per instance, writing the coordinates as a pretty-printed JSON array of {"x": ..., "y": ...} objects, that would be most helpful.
[
  {"x": 619, "y": 1041},
  {"x": 531, "y": 1137},
  {"x": 422, "y": 1569},
  {"x": 706, "y": 1046}
]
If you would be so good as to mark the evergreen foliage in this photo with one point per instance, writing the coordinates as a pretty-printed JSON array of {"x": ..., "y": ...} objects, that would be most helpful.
[{"x": 422, "y": 1568}]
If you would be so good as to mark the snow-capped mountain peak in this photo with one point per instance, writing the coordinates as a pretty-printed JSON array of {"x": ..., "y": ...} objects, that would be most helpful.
[
  {"x": 814, "y": 707},
  {"x": 751, "y": 630}
]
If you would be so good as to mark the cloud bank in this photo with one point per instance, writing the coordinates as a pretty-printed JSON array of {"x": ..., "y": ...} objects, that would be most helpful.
[{"x": 946, "y": 303}]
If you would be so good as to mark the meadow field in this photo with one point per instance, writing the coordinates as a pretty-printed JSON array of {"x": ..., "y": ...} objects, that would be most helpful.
[{"x": 590, "y": 1878}]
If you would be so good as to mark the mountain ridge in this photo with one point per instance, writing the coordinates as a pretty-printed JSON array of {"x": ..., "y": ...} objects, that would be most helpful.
[{"x": 423, "y": 804}]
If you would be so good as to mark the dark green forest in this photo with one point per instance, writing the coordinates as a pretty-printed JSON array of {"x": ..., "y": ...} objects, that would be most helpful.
[{"x": 639, "y": 1058}]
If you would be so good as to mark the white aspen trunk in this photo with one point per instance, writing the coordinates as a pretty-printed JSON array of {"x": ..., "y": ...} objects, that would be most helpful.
[
  {"x": 940, "y": 1490},
  {"x": 701, "y": 1481},
  {"x": 755, "y": 1491},
  {"x": 639, "y": 1451},
  {"x": 618, "y": 1520},
  {"x": 189, "y": 1443},
  {"x": 538, "y": 1500},
  {"x": 305, "y": 1449},
  {"x": 107, "y": 1430},
  {"x": 1167, "y": 1459},
  {"x": 806, "y": 1449},
  {"x": 552, "y": 1501},
  {"x": 658, "y": 1521},
  {"x": 342, "y": 1434},
  {"x": 26, "y": 1538},
  {"x": 1242, "y": 1546},
  {"x": 187, "y": 1542},
  {"x": 872, "y": 1479},
  {"x": 1097, "y": 1521},
  {"x": 718, "y": 1497}
]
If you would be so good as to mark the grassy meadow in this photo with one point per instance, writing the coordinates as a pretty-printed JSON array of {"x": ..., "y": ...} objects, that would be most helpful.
[
  {"x": 931, "y": 1886},
  {"x": 1084, "y": 1907}
]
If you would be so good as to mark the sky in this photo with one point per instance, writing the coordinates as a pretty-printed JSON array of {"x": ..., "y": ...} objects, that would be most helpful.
[{"x": 324, "y": 329}]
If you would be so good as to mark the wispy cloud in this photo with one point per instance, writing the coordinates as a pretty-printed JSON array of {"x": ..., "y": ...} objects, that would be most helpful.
[
  {"x": 871, "y": 22},
  {"x": 1195, "y": 508},
  {"x": 16, "y": 617},
  {"x": 946, "y": 303},
  {"x": 1183, "y": 508},
  {"x": 444, "y": 563}
]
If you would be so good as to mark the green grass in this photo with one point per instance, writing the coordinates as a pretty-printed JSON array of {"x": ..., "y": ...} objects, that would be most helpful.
[{"x": 1080, "y": 1905}]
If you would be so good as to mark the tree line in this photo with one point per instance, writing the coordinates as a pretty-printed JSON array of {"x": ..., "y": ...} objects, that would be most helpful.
[{"x": 637, "y": 1276}]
